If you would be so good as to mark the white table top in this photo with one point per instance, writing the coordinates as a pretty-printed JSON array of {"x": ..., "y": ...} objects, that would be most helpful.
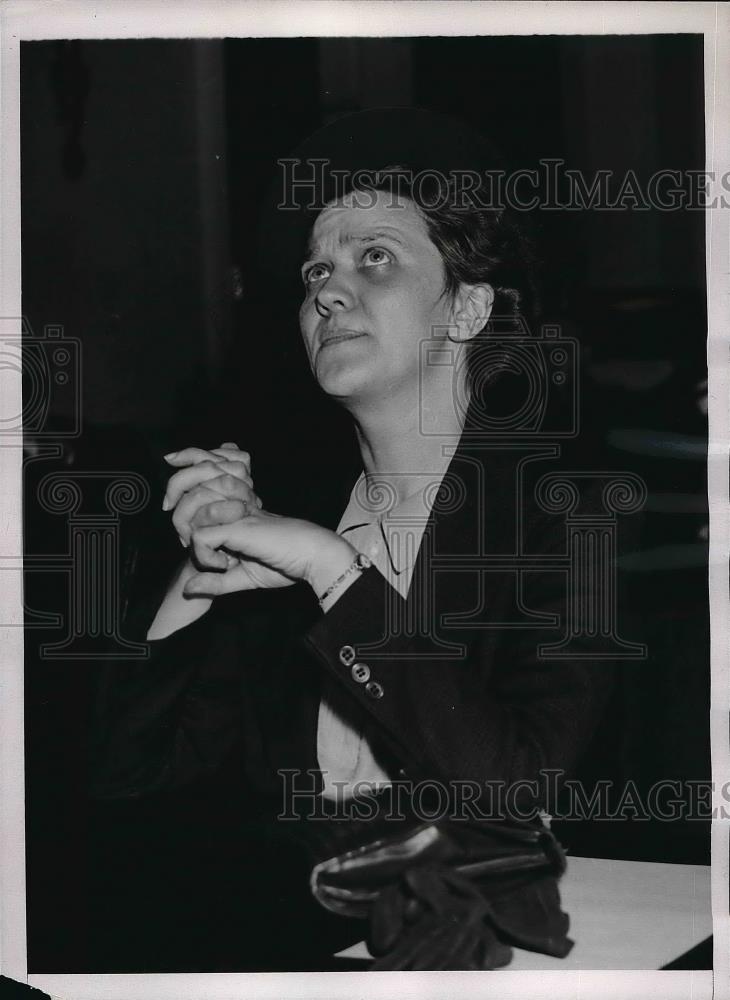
[{"x": 623, "y": 915}]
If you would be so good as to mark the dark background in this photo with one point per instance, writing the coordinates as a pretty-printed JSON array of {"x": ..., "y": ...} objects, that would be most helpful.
[{"x": 144, "y": 165}]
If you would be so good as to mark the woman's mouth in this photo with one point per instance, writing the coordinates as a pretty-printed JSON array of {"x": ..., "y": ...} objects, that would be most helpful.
[{"x": 339, "y": 337}]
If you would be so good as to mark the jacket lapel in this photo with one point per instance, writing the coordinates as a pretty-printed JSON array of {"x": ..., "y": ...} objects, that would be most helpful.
[{"x": 466, "y": 580}]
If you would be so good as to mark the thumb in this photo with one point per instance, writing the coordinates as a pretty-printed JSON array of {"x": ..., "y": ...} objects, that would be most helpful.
[
  {"x": 206, "y": 541},
  {"x": 208, "y": 584}
]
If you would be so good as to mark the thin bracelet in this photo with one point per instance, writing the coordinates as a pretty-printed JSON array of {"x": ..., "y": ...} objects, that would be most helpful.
[{"x": 359, "y": 563}]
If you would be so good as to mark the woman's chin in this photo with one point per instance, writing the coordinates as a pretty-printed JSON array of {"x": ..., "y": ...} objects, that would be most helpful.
[{"x": 342, "y": 381}]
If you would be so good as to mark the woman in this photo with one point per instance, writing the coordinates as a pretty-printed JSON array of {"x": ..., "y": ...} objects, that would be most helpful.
[{"x": 421, "y": 663}]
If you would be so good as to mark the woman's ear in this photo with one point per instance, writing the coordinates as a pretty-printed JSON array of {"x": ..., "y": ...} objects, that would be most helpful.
[{"x": 472, "y": 309}]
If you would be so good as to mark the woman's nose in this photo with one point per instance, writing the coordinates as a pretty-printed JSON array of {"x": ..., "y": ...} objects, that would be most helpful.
[{"x": 335, "y": 295}]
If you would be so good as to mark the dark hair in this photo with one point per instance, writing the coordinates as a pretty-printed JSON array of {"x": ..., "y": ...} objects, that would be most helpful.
[{"x": 477, "y": 243}]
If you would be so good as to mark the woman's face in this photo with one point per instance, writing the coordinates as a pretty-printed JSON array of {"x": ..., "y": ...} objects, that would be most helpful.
[{"x": 374, "y": 284}]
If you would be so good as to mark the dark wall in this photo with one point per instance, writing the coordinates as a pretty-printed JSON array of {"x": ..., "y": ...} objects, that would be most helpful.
[{"x": 117, "y": 191}]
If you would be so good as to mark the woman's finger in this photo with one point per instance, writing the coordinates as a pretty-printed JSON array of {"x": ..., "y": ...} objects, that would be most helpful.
[
  {"x": 204, "y": 495},
  {"x": 224, "y": 487},
  {"x": 250, "y": 536},
  {"x": 194, "y": 475},
  {"x": 215, "y": 584},
  {"x": 234, "y": 467},
  {"x": 181, "y": 522},
  {"x": 187, "y": 456},
  {"x": 219, "y": 512},
  {"x": 229, "y": 449},
  {"x": 193, "y": 456},
  {"x": 233, "y": 455},
  {"x": 206, "y": 542}
]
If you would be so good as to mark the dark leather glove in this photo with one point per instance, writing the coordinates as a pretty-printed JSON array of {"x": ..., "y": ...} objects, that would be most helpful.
[
  {"x": 430, "y": 919},
  {"x": 451, "y": 895}
]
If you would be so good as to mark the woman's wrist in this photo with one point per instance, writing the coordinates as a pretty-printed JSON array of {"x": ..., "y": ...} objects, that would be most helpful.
[
  {"x": 340, "y": 584},
  {"x": 331, "y": 562}
]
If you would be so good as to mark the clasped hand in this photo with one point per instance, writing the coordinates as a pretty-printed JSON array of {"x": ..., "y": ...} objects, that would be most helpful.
[{"x": 235, "y": 544}]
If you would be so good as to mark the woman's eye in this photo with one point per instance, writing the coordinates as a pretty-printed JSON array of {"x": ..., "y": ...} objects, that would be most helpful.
[
  {"x": 317, "y": 272},
  {"x": 375, "y": 256}
]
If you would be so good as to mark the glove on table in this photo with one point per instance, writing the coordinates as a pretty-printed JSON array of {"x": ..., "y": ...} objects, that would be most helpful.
[{"x": 451, "y": 895}]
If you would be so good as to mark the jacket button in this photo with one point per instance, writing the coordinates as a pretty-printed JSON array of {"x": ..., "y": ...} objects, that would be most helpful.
[
  {"x": 360, "y": 672},
  {"x": 375, "y": 690},
  {"x": 347, "y": 655}
]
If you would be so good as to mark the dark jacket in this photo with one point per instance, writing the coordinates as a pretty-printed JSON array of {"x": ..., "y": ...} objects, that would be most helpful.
[{"x": 455, "y": 688}]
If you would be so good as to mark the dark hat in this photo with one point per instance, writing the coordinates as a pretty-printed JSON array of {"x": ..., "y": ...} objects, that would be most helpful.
[{"x": 326, "y": 164}]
